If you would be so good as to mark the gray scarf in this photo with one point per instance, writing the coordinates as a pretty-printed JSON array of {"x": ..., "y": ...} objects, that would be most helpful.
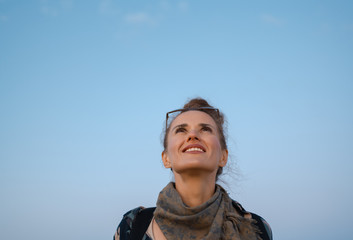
[{"x": 214, "y": 219}]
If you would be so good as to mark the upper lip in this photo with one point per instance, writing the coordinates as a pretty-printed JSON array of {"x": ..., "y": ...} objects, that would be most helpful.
[{"x": 194, "y": 146}]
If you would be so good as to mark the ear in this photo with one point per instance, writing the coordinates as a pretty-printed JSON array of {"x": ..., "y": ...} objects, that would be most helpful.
[
  {"x": 224, "y": 158},
  {"x": 165, "y": 160}
]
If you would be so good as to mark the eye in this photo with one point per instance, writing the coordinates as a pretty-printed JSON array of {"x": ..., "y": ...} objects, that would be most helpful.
[
  {"x": 180, "y": 129},
  {"x": 207, "y": 129}
]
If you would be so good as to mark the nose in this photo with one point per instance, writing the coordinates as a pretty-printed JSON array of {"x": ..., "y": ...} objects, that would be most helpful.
[{"x": 193, "y": 135}]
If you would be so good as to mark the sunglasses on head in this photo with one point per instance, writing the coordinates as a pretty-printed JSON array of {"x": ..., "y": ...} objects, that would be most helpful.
[{"x": 203, "y": 109}]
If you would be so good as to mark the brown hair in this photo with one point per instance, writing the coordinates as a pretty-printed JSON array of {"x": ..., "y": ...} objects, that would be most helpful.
[{"x": 217, "y": 117}]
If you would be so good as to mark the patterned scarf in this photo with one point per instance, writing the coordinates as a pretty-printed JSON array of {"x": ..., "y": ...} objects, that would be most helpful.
[{"x": 214, "y": 219}]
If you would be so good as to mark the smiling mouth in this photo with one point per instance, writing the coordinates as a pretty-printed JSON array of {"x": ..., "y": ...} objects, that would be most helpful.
[{"x": 194, "y": 150}]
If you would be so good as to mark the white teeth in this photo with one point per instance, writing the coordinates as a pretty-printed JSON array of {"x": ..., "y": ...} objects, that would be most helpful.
[{"x": 194, "y": 149}]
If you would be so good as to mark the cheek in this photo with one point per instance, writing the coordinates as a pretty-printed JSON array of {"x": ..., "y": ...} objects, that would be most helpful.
[
  {"x": 173, "y": 143},
  {"x": 215, "y": 143}
]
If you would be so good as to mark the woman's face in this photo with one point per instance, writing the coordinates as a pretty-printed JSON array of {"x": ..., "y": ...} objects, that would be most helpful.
[{"x": 193, "y": 145}]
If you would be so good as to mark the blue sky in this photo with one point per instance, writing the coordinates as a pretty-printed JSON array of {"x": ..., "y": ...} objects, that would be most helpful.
[{"x": 85, "y": 85}]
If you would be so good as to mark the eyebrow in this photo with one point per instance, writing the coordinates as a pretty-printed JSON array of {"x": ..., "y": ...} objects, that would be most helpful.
[
  {"x": 206, "y": 125},
  {"x": 185, "y": 125}
]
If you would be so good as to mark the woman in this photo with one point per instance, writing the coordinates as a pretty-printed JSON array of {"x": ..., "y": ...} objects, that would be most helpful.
[{"x": 194, "y": 206}]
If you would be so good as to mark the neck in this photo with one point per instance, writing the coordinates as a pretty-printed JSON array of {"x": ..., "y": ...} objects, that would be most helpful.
[{"x": 195, "y": 190}]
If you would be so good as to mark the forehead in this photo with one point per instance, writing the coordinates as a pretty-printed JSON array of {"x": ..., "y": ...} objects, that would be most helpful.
[{"x": 190, "y": 117}]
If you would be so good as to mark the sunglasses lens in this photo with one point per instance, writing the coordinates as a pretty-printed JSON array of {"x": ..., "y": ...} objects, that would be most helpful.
[{"x": 173, "y": 114}]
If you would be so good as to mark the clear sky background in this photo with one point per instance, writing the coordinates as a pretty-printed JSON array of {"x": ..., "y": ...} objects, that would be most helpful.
[{"x": 85, "y": 85}]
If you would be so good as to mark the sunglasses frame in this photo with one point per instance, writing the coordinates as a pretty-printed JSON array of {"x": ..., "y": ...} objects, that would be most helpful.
[{"x": 188, "y": 109}]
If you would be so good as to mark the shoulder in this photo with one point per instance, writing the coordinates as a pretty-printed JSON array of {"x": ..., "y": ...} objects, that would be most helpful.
[
  {"x": 137, "y": 219},
  {"x": 264, "y": 227},
  {"x": 266, "y": 231},
  {"x": 125, "y": 225}
]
